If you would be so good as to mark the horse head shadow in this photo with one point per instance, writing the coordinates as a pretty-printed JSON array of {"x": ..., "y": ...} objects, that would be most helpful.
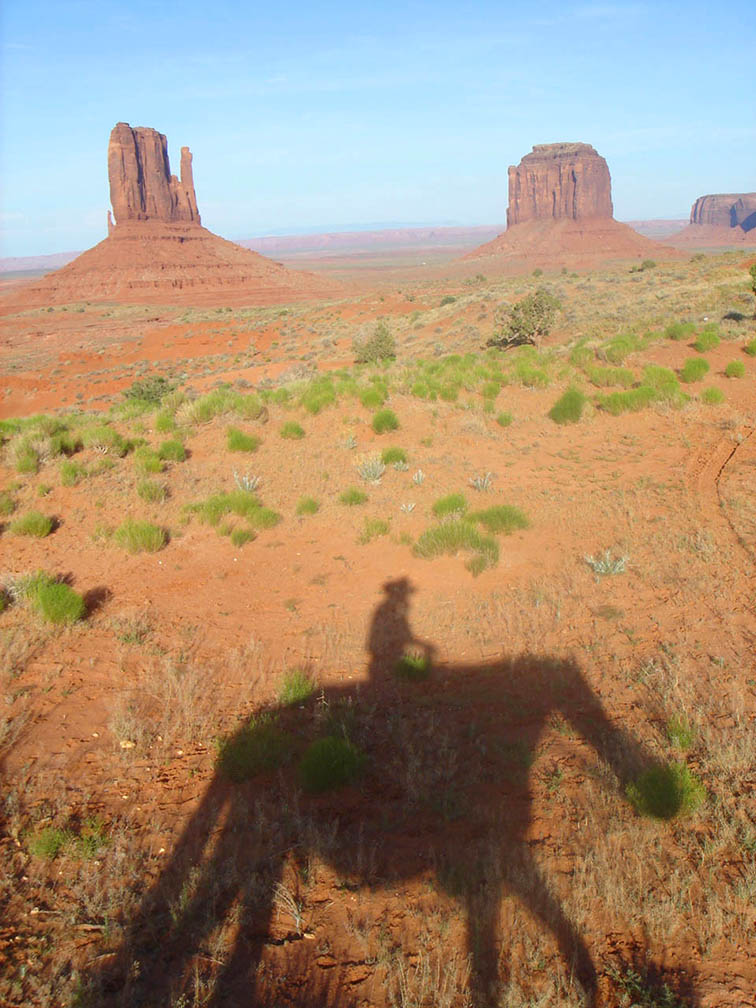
[{"x": 435, "y": 775}]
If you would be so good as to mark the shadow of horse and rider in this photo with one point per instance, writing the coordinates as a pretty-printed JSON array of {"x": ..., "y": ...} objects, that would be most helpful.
[{"x": 444, "y": 795}]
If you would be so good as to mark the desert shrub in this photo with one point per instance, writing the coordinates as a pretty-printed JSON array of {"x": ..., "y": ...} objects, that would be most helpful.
[
  {"x": 105, "y": 439},
  {"x": 258, "y": 747},
  {"x": 150, "y": 391},
  {"x": 735, "y": 369},
  {"x": 641, "y": 992},
  {"x": 147, "y": 462},
  {"x": 501, "y": 518},
  {"x": 666, "y": 791},
  {"x": 64, "y": 443},
  {"x": 712, "y": 396},
  {"x": 352, "y": 497},
  {"x": 663, "y": 381},
  {"x": 374, "y": 528},
  {"x": 630, "y": 401},
  {"x": 295, "y": 688},
  {"x": 152, "y": 491},
  {"x": 569, "y": 407},
  {"x": 238, "y": 441},
  {"x": 54, "y": 600},
  {"x": 165, "y": 422},
  {"x": 504, "y": 419},
  {"x": 307, "y": 506},
  {"x": 378, "y": 346},
  {"x": 241, "y": 503},
  {"x": 139, "y": 536},
  {"x": 318, "y": 394},
  {"x": 7, "y": 504},
  {"x": 679, "y": 331},
  {"x": 750, "y": 348},
  {"x": 447, "y": 299},
  {"x": 26, "y": 458},
  {"x": 450, "y": 506},
  {"x": 241, "y": 536},
  {"x": 694, "y": 369},
  {"x": 172, "y": 451},
  {"x": 528, "y": 321},
  {"x": 390, "y": 456},
  {"x": 292, "y": 431},
  {"x": 527, "y": 374},
  {"x": 619, "y": 347},
  {"x": 47, "y": 842},
  {"x": 385, "y": 420},
  {"x": 451, "y": 537},
  {"x": 372, "y": 397},
  {"x": 329, "y": 763},
  {"x": 680, "y": 732},
  {"x": 72, "y": 473},
  {"x": 33, "y": 523},
  {"x": 605, "y": 377},
  {"x": 707, "y": 340},
  {"x": 413, "y": 666},
  {"x": 647, "y": 264}
]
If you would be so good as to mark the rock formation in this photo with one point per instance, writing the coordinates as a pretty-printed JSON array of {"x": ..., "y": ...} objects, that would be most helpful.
[
  {"x": 720, "y": 219},
  {"x": 141, "y": 184},
  {"x": 559, "y": 180}
]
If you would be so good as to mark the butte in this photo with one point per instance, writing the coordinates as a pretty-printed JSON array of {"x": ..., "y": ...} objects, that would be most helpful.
[
  {"x": 720, "y": 219},
  {"x": 157, "y": 251},
  {"x": 560, "y": 213}
]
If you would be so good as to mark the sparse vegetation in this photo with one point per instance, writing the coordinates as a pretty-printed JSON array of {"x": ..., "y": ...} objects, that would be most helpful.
[
  {"x": 292, "y": 431},
  {"x": 352, "y": 497},
  {"x": 296, "y": 688},
  {"x": 307, "y": 506},
  {"x": 139, "y": 536},
  {"x": 707, "y": 340}
]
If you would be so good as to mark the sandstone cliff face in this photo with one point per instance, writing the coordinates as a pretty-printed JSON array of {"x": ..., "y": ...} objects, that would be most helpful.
[
  {"x": 141, "y": 184},
  {"x": 725, "y": 210},
  {"x": 562, "y": 180}
]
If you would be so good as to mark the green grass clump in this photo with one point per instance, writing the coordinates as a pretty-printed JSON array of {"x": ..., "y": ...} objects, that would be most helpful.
[
  {"x": 33, "y": 523},
  {"x": 295, "y": 688},
  {"x": 238, "y": 441},
  {"x": 50, "y": 841},
  {"x": 707, "y": 340},
  {"x": 222, "y": 401},
  {"x": 372, "y": 397},
  {"x": 666, "y": 791},
  {"x": 694, "y": 369},
  {"x": 679, "y": 331},
  {"x": 606, "y": 377},
  {"x": 750, "y": 348},
  {"x": 631, "y": 401},
  {"x": 165, "y": 422},
  {"x": 152, "y": 491},
  {"x": 139, "y": 536},
  {"x": 241, "y": 536},
  {"x": 104, "y": 438},
  {"x": 451, "y": 505},
  {"x": 385, "y": 420},
  {"x": 26, "y": 459},
  {"x": 72, "y": 473},
  {"x": 619, "y": 347},
  {"x": 241, "y": 503},
  {"x": 413, "y": 666},
  {"x": 53, "y": 600},
  {"x": 258, "y": 747},
  {"x": 307, "y": 506},
  {"x": 663, "y": 381},
  {"x": 389, "y": 456},
  {"x": 292, "y": 431},
  {"x": 318, "y": 394},
  {"x": 569, "y": 407},
  {"x": 504, "y": 419},
  {"x": 712, "y": 396},
  {"x": 530, "y": 376},
  {"x": 329, "y": 763},
  {"x": 452, "y": 537},
  {"x": 501, "y": 518},
  {"x": 7, "y": 504},
  {"x": 680, "y": 732},
  {"x": 374, "y": 528},
  {"x": 47, "y": 842},
  {"x": 172, "y": 451},
  {"x": 147, "y": 462},
  {"x": 352, "y": 497},
  {"x": 735, "y": 369}
]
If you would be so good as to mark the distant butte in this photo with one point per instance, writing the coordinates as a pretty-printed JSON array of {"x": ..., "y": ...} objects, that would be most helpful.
[
  {"x": 560, "y": 210},
  {"x": 157, "y": 250},
  {"x": 720, "y": 219}
]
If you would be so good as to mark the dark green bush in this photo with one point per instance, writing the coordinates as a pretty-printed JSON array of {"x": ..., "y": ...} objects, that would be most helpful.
[
  {"x": 528, "y": 321},
  {"x": 258, "y": 747},
  {"x": 569, "y": 407},
  {"x": 172, "y": 451},
  {"x": 329, "y": 763},
  {"x": 150, "y": 390},
  {"x": 55, "y": 601},
  {"x": 385, "y": 420},
  {"x": 666, "y": 791}
]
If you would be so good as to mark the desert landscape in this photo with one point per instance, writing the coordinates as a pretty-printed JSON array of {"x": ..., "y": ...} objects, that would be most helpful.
[{"x": 377, "y": 627}]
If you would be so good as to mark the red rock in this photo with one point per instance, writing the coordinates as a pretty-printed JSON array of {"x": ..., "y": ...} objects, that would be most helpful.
[
  {"x": 561, "y": 180},
  {"x": 720, "y": 220}
]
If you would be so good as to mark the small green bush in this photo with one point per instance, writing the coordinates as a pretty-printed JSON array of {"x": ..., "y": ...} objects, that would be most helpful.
[
  {"x": 295, "y": 688},
  {"x": 712, "y": 396},
  {"x": 447, "y": 299},
  {"x": 504, "y": 419},
  {"x": 307, "y": 506},
  {"x": 27, "y": 460},
  {"x": 452, "y": 504},
  {"x": 694, "y": 369},
  {"x": 292, "y": 431},
  {"x": 238, "y": 441},
  {"x": 258, "y": 747},
  {"x": 501, "y": 518},
  {"x": 139, "y": 536},
  {"x": 374, "y": 528},
  {"x": 7, "y": 504},
  {"x": 353, "y": 497},
  {"x": 413, "y": 666},
  {"x": 165, "y": 422},
  {"x": 452, "y": 537},
  {"x": 318, "y": 394},
  {"x": 569, "y": 407},
  {"x": 241, "y": 536},
  {"x": 152, "y": 491},
  {"x": 150, "y": 391},
  {"x": 329, "y": 763},
  {"x": 147, "y": 462},
  {"x": 72, "y": 473},
  {"x": 54, "y": 601},
  {"x": 666, "y": 791},
  {"x": 378, "y": 347},
  {"x": 619, "y": 347},
  {"x": 605, "y": 377},
  {"x": 735, "y": 369},
  {"x": 172, "y": 451},
  {"x": 385, "y": 420},
  {"x": 680, "y": 733},
  {"x": 679, "y": 331},
  {"x": 631, "y": 401},
  {"x": 33, "y": 523},
  {"x": 372, "y": 397},
  {"x": 389, "y": 456},
  {"x": 707, "y": 340},
  {"x": 528, "y": 321},
  {"x": 750, "y": 348},
  {"x": 47, "y": 842}
]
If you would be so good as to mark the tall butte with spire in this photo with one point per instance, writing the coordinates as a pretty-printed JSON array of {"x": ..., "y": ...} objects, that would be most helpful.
[
  {"x": 157, "y": 250},
  {"x": 560, "y": 211}
]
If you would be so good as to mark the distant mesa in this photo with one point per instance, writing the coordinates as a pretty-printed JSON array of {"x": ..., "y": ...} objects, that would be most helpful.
[
  {"x": 720, "y": 219},
  {"x": 157, "y": 250},
  {"x": 560, "y": 211}
]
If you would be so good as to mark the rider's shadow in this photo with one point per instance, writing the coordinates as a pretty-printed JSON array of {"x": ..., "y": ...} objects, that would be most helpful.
[{"x": 444, "y": 795}]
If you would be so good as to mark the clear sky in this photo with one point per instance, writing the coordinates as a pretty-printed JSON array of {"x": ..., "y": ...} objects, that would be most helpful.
[{"x": 333, "y": 116}]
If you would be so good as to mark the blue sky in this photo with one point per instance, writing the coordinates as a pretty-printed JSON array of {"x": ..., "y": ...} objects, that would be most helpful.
[{"x": 331, "y": 116}]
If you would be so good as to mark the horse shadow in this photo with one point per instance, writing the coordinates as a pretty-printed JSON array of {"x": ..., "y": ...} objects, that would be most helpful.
[{"x": 443, "y": 795}]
